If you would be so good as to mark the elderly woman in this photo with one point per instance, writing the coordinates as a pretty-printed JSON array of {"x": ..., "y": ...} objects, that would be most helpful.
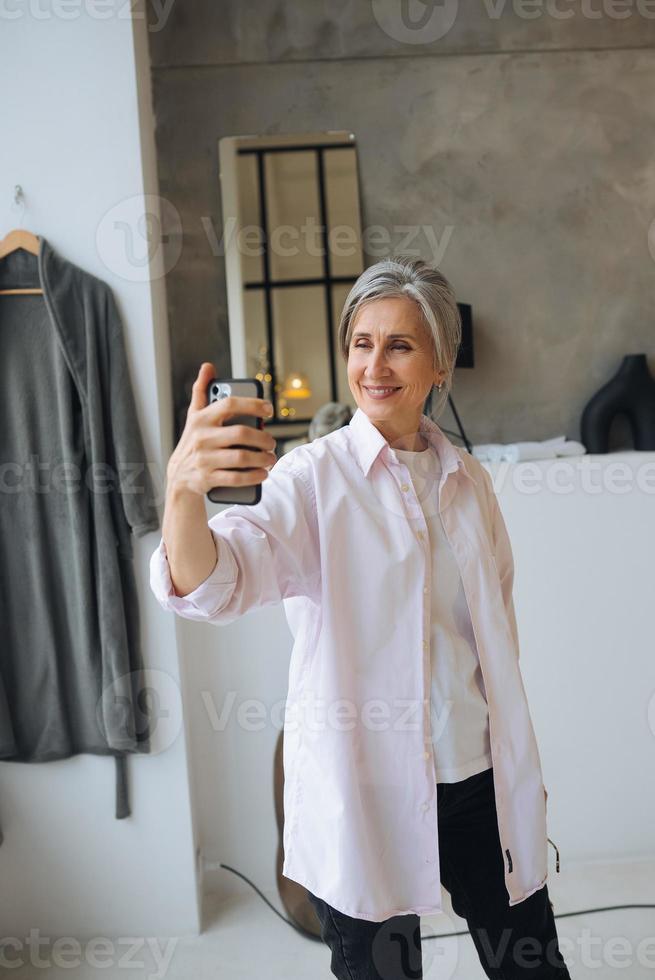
[{"x": 410, "y": 759}]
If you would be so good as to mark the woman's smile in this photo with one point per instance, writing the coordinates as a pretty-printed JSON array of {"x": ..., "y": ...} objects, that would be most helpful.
[
  {"x": 380, "y": 393},
  {"x": 391, "y": 358}
]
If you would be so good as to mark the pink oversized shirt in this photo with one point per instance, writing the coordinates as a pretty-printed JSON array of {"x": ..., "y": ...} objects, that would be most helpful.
[{"x": 340, "y": 538}]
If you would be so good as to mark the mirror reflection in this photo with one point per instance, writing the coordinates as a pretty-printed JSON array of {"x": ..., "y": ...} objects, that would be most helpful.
[{"x": 292, "y": 215}]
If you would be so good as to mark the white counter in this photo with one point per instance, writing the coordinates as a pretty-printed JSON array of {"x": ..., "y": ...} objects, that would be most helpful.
[{"x": 583, "y": 536}]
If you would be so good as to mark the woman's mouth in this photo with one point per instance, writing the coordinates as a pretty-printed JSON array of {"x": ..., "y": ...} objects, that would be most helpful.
[{"x": 380, "y": 393}]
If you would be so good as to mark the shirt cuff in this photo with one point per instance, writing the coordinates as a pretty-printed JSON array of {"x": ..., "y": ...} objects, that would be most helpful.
[{"x": 208, "y": 597}]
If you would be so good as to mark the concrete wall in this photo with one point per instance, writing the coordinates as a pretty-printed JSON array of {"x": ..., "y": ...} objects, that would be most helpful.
[{"x": 516, "y": 148}]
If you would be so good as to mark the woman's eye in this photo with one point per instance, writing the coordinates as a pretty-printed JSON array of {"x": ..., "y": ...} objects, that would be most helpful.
[{"x": 394, "y": 346}]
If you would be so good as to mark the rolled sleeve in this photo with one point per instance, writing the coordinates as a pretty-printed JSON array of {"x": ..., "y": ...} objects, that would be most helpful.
[
  {"x": 203, "y": 603},
  {"x": 267, "y": 552}
]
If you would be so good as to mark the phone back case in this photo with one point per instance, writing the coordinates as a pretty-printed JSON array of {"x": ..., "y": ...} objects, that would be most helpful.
[{"x": 249, "y": 388}]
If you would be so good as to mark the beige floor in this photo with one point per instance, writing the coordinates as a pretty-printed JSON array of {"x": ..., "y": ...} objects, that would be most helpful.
[{"x": 243, "y": 938}]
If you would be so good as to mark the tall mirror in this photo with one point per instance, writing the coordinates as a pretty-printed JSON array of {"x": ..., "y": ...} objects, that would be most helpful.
[{"x": 292, "y": 228}]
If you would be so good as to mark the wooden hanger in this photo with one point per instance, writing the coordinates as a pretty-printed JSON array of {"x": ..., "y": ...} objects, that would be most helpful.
[{"x": 18, "y": 238}]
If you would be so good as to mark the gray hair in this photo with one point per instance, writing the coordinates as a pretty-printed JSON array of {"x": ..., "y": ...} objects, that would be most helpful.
[{"x": 403, "y": 275}]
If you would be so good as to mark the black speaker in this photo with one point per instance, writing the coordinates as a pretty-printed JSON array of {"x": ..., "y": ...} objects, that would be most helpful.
[{"x": 465, "y": 353}]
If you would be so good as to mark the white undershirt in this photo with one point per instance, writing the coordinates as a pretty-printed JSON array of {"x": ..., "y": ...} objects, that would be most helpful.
[{"x": 459, "y": 712}]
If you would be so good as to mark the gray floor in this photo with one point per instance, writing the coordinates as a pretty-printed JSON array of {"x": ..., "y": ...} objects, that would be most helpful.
[{"x": 243, "y": 938}]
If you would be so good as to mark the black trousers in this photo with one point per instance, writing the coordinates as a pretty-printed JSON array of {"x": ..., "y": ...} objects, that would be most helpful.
[{"x": 513, "y": 942}]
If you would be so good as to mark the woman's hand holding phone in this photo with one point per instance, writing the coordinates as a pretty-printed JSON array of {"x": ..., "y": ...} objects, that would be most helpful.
[{"x": 205, "y": 455}]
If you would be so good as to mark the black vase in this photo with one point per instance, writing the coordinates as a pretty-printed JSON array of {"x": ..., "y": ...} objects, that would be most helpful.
[{"x": 631, "y": 392}]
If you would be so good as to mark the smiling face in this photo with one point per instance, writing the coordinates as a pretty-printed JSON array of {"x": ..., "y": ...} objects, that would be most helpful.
[{"x": 391, "y": 348}]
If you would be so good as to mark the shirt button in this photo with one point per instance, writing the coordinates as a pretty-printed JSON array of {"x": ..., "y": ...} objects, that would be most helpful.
[
  {"x": 425, "y": 644},
  {"x": 404, "y": 487},
  {"x": 426, "y": 755},
  {"x": 425, "y": 590},
  {"x": 419, "y": 535},
  {"x": 425, "y": 806}
]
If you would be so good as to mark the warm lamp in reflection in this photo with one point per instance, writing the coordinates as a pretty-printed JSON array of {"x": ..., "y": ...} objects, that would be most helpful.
[{"x": 296, "y": 386}]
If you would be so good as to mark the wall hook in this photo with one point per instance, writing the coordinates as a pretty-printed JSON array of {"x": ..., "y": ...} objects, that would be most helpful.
[{"x": 19, "y": 199}]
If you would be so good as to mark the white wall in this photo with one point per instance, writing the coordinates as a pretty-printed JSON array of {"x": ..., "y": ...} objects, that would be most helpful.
[{"x": 78, "y": 137}]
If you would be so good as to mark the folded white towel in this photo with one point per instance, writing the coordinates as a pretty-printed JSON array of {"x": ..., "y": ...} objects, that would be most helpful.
[{"x": 516, "y": 452}]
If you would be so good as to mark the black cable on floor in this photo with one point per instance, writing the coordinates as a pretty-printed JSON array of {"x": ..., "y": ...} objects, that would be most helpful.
[
  {"x": 563, "y": 915},
  {"x": 434, "y": 935}
]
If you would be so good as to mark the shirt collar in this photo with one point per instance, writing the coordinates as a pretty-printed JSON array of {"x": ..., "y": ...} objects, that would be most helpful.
[{"x": 368, "y": 442}]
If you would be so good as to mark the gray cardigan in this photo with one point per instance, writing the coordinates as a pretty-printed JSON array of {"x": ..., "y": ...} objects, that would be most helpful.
[{"x": 75, "y": 487}]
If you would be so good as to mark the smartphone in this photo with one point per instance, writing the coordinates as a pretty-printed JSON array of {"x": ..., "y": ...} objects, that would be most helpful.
[{"x": 243, "y": 387}]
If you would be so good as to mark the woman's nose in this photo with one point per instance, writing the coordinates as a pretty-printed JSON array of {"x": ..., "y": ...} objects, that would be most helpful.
[{"x": 377, "y": 362}]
